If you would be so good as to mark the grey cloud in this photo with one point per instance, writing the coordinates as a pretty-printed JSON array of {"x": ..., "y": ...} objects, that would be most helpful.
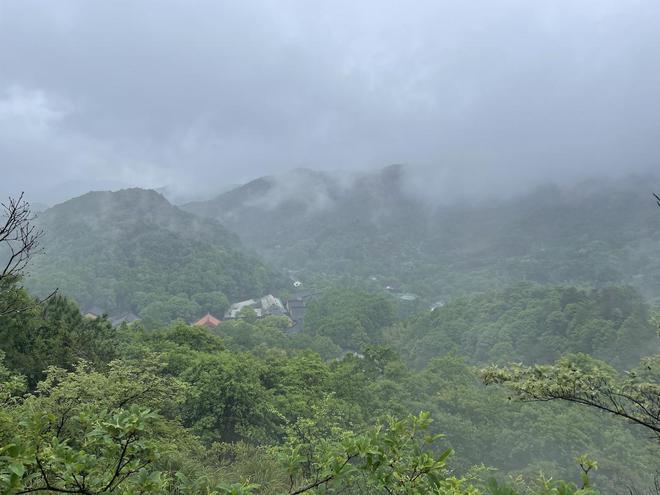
[{"x": 198, "y": 95}]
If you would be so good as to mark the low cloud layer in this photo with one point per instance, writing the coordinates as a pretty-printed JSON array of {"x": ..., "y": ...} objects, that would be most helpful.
[{"x": 199, "y": 95}]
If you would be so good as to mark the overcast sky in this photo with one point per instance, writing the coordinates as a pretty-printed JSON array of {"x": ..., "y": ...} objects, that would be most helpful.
[{"x": 201, "y": 94}]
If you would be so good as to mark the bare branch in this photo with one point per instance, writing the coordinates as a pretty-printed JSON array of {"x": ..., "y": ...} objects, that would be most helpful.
[
  {"x": 19, "y": 242},
  {"x": 19, "y": 237}
]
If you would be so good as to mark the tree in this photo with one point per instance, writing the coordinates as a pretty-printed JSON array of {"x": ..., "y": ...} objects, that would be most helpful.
[
  {"x": 584, "y": 380},
  {"x": 212, "y": 302},
  {"x": 248, "y": 314},
  {"x": 87, "y": 432},
  {"x": 19, "y": 241},
  {"x": 107, "y": 454},
  {"x": 394, "y": 458},
  {"x": 53, "y": 334}
]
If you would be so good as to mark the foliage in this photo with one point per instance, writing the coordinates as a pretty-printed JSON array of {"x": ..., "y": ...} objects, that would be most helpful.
[
  {"x": 595, "y": 234},
  {"x": 249, "y": 408},
  {"x": 108, "y": 454},
  {"x": 395, "y": 458},
  {"x": 53, "y": 334},
  {"x": 250, "y": 382},
  {"x": 87, "y": 432},
  {"x": 257, "y": 385},
  {"x": 19, "y": 242},
  {"x": 584, "y": 380},
  {"x": 133, "y": 251},
  {"x": 532, "y": 324},
  {"x": 350, "y": 318}
]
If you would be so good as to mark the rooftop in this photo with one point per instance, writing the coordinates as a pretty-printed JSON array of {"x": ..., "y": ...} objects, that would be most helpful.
[{"x": 208, "y": 320}]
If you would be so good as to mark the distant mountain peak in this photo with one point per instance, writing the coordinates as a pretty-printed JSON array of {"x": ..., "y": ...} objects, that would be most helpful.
[{"x": 125, "y": 249}]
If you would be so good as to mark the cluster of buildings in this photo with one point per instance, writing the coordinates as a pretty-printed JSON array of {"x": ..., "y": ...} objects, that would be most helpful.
[
  {"x": 95, "y": 312},
  {"x": 266, "y": 306},
  {"x": 269, "y": 305}
]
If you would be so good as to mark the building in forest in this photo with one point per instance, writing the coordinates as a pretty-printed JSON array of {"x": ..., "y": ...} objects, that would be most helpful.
[
  {"x": 265, "y": 306},
  {"x": 127, "y": 318},
  {"x": 94, "y": 312},
  {"x": 235, "y": 309},
  {"x": 272, "y": 306},
  {"x": 208, "y": 321}
]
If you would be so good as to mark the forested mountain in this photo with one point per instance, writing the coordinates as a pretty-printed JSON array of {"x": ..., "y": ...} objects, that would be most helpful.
[
  {"x": 183, "y": 314},
  {"x": 248, "y": 407},
  {"x": 532, "y": 324},
  {"x": 131, "y": 250},
  {"x": 248, "y": 404},
  {"x": 596, "y": 233}
]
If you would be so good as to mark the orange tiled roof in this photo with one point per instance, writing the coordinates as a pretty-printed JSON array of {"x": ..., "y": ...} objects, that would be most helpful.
[{"x": 207, "y": 320}]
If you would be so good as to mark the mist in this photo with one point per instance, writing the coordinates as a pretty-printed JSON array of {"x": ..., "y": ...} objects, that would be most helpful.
[
  {"x": 286, "y": 247},
  {"x": 198, "y": 97}
]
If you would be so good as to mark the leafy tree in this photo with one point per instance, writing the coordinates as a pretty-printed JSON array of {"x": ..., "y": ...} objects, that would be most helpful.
[
  {"x": 395, "y": 458},
  {"x": 227, "y": 399},
  {"x": 248, "y": 314},
  {"x": 53, "y": 334},
  {"x": 584, "y": 380},
  {"x": 107, "y": 454},
  {"x": 212, "y": 302},
  {"x": 351, "y": 318},
  {"x": 85, "y": 432}
]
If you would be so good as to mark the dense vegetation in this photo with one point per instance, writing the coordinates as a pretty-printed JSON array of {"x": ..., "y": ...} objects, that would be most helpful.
[
  {"x": 239, "y": 406},
  {"x": 374, "y": 395},
  {"x": 532, "y": 324},
  {"x": 597, "y": 233},
  {"x": 133, "y": 251}
]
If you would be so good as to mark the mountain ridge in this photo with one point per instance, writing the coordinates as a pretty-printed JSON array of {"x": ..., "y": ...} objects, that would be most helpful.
[
  {"x": 596, "y": 233},
  {"x": 127, "y": 249}
]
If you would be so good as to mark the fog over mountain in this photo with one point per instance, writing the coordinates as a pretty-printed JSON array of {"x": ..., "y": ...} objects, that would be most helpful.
[
  {"x": 287, "y": 247},
  {"x": 480, "y": 96}
]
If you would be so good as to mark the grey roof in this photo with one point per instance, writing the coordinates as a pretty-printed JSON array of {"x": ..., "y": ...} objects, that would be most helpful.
[
  {"x": 125, "y": 318},
  {"x": 264, "y": 306},
  {"x": 95, "y": 310},
  {"x": 235, "y": 308}
]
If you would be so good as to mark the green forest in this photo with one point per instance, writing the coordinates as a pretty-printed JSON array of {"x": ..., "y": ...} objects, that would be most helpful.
[
  {"x": 524, "y": 385},
  {"x": 294, "y": 247},
  {"x": 133, "y": 251},
  {"x": 376, "y": 233}
]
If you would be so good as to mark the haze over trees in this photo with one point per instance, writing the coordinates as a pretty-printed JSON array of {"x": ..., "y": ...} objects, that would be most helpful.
[
  {"x": 324, "y": 248},
  {"x": 133, "y": 251},
  {"x": 381, "y": 225},
  {"x": 159, "y": 406}
]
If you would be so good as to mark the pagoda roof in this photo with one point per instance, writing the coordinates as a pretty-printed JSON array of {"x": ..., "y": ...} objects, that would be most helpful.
[{"x": 208, "y": 320}]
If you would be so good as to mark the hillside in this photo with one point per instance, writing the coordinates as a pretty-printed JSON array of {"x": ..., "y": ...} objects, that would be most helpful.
[
  {"x": 532, "y": 324},
  {"x": 375, "y": 231},
  {"x": 131, "y": 250},
  {"x": 274, "y": 207}
]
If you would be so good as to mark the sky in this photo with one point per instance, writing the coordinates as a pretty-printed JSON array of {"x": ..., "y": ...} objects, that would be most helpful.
[{"x": 197, "y": 95}]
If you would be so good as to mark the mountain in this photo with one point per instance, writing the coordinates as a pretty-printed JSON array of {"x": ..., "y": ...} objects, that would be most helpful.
[
  {"x": 532, "y": 324},
  {"x": 312, "y": 219},
  {"x": 131, "y": 250},
  {"x": 51, "y": 194},
  {"x": 377, "y": 230},
  {"x": 273, "y": 205},
  {"x": 179, "y": 194}
]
